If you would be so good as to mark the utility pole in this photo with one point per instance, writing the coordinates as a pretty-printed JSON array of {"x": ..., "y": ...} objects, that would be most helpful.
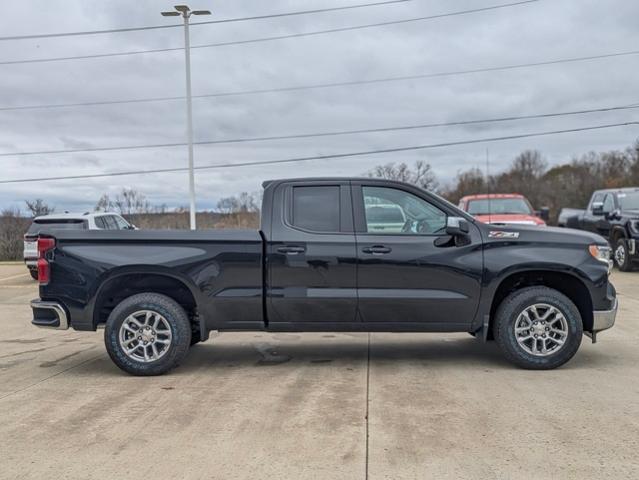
[
  {"x": 488, "y": 183},
  {"x": 186, "y": 12}
]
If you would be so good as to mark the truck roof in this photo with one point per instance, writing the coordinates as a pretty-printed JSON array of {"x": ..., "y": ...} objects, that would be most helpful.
[
  {"x": 484, "y": 196},
  {"x": 618, "y": 190},
  {"x": 266, "y": 183},
  {"x": 72, "y": 216}
]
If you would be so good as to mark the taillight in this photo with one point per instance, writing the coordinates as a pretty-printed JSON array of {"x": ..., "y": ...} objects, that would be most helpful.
[{"x": 44, "y": 270}]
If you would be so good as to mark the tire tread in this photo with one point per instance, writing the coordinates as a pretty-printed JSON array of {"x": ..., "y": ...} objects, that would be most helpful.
[{"x": 174, "y": 314}]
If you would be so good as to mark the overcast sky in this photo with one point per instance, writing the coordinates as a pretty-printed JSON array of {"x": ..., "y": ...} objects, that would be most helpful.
[{"x": 540, "y": 31}]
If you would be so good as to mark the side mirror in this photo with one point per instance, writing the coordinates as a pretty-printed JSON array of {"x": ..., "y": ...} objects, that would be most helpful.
[
  {"x": 614, "y": 214},
  {"x": 457, "y": 226},
  {"x": 597, "y": 208},
  {"x": 544, "y": 213}
]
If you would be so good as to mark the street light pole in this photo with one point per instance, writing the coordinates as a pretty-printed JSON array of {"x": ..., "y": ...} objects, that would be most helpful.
[{"x": 185, "y": 12}]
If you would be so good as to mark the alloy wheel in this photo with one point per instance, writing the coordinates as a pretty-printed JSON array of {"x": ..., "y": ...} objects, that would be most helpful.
[
  {"x": 145, "y": 336},
  {"x": 541, "y": 329}
]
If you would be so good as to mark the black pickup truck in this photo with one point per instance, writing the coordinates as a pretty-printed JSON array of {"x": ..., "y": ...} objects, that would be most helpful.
[
  {"x": 613, "y": 214},
  {"x": 329, "y": 257}
]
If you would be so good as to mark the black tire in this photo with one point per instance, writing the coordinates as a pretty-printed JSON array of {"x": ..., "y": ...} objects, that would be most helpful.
[
  {"x": 195, "y": 337},
  {"x": 621, "y": 255},
  {"x": 177, "y": 320},
  {"x": 506, "y": 317},
  {"x": 34, "y": 273}
]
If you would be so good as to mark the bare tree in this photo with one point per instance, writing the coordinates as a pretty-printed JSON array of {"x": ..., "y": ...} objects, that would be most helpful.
[
  {"x": 239, "y": 211},
  {"x": 131, "y": 201},
  {"x": 470, "y": 182},
  {"x": 104, "y": 204},
  {"x": 421, "y": 175},
  {"x": 244, "y": 202},
  {"x": 12, "y": 227},
  {"x": 566, "y": 185},
  {"x": 38, "y": 207},
  {"x": 127, "y": 202}
]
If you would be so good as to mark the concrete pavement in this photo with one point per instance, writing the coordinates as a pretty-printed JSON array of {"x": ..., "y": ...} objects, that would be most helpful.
[{"x": 315, "y": 406}]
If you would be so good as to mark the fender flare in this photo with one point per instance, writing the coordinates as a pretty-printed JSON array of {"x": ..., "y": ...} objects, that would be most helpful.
[{"x": 111, "y": 275}]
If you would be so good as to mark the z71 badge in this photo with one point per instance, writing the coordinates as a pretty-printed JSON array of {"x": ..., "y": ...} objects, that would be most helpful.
[{"x": 502, "y": 234}]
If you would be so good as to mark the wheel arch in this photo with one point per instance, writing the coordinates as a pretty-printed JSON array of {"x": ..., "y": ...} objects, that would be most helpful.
[
  {"x": 123, "y": 284},
  {"x": 617, "y": 233},
  {"x": 570, "y": 285}
]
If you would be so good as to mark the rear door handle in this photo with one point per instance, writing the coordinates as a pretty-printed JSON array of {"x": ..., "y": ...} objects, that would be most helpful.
[
  {"x": 291, "y": 249},
  {"x": 377, "y": 250}
]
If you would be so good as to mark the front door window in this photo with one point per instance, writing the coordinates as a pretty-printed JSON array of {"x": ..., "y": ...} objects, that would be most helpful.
[{"x": 396, "y": 212}]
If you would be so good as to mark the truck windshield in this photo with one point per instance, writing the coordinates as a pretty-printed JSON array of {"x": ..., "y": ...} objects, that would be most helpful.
[
  {"x": 629, "y": 201},
  {"x": 496, "y": 206}
]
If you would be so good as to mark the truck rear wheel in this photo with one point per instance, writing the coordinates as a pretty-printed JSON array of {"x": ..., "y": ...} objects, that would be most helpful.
[
  {"x": 622, "y": 255},
  {"x": 147, "y": 334},
  {"x": 538, "y": 328}
]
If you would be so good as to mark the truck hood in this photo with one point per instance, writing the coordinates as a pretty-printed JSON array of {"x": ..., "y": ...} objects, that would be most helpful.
[
  {"x": 630, "y": 213},
  {"x": 529, "y": 233},
  {"x": 510, "y": 218}
]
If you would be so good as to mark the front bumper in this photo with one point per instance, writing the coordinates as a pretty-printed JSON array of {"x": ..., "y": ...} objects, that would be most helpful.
[
  {"x": 603, "y": 320},
  {"x": 49, "y": 315}
]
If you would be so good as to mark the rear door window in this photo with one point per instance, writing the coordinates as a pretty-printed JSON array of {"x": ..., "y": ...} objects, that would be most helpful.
[
  {"x": 316, "y": 208},
  {"x": 110, "y": 222},
  {"x": 99, "y": 223}
]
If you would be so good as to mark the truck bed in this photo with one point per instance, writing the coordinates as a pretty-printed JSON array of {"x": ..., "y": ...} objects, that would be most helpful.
[{"x": 221, "y": 268}]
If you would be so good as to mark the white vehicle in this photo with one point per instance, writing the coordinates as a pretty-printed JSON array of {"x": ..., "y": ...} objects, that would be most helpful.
[
  {"x": 385, "y": 217},
  {"x": 67, "y": 221}
]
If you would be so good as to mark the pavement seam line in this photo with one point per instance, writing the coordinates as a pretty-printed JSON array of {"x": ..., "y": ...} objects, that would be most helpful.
[
  {"x": 368, "y": 389},
  {"x": 51, "y": 376},
  {"x": 14, "y": 277}
]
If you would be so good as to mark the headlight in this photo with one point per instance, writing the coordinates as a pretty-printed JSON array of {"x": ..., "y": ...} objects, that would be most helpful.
[
  {"x": 601, "y": 253},
  {"x": 634, "y": 226}
]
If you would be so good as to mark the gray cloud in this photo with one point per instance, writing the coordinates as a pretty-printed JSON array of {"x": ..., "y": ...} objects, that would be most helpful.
[{"x": 536, "y": 32}]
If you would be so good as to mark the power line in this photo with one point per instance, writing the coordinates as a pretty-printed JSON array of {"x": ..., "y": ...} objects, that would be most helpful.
[
  {"x": 323, "y": 157},
  {"x": 335, "y": 84},
  {"x": 268, "y": 39},
  {"x": 329, "y": 134},
  {"x": 227, "y": 20}
]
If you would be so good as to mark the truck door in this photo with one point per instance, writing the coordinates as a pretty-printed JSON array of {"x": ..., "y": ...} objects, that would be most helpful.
[
  {"x": 589, "y": 220},
  {"x": 602, "y": 224},
  {"x": 311, "y": 255},
  {"x": 403, "y": 276}
]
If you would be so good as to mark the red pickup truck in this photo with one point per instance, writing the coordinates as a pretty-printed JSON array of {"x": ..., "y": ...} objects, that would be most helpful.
[{"x": 503, "y": 209}]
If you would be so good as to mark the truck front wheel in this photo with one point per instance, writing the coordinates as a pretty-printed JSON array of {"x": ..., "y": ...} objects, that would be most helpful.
[
  {"x": 538, "y": 328},
  {"x": 622, "y": 255},
  {"x": 147, "y": 334}
]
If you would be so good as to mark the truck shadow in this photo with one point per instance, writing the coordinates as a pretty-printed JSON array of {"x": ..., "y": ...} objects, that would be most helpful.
[
  {"x": 451, "y": 354},
  {"x": 441, "y": 353},
  {"x": 467, "y": 353}
]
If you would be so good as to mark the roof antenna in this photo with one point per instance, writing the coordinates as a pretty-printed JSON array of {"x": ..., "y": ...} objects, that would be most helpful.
[{"x": 488, "y": 184}]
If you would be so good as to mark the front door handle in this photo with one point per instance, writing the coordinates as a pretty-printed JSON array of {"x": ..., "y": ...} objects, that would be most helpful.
[
  {"x": 291, "y": 249},
  {"x": 377, "y": 250}
]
